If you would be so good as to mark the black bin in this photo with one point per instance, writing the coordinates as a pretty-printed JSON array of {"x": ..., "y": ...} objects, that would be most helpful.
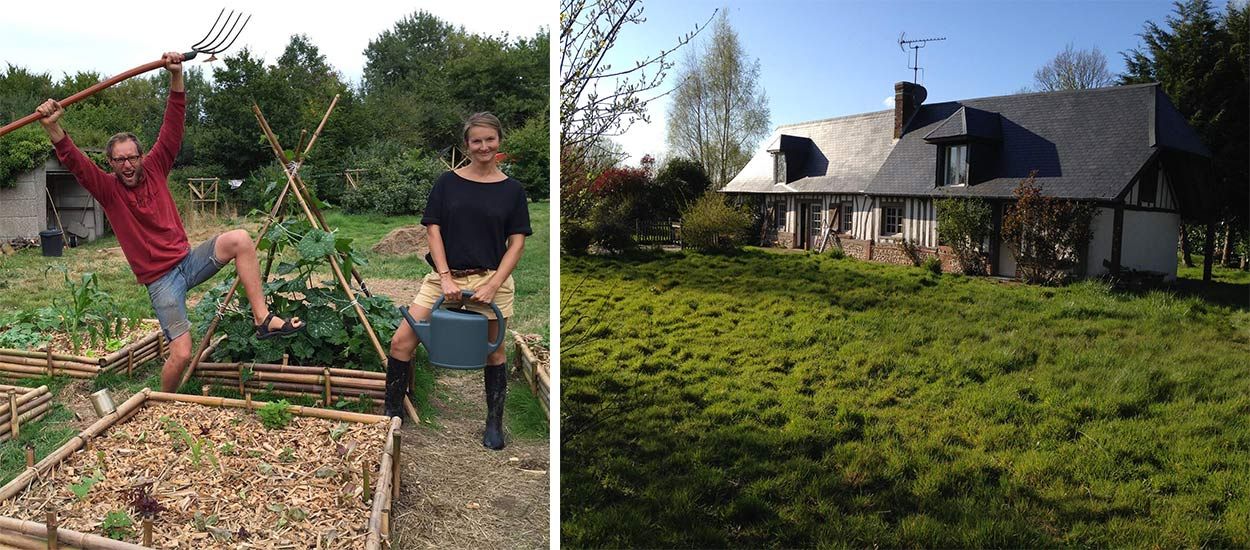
[{"x": 52, "y": 241}]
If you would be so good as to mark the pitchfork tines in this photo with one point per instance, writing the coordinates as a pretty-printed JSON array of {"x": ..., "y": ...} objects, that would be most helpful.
[{"x": 222, "y": 39}]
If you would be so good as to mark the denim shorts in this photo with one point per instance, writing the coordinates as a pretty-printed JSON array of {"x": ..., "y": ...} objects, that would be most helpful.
[{"x": 169, "y": 293}]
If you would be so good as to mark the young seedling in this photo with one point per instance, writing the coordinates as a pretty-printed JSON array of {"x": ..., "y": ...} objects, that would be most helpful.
[
  {"x": 275, "y": 416},
  {"x": 83, "y": 487},
  {"x": 287, "y": 455},
  {"x": 117, "y": 525},
  {"x": 144, "y": 504}
]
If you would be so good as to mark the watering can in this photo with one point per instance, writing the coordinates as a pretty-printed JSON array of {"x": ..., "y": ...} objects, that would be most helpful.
[{"x": 456, "y": 338}]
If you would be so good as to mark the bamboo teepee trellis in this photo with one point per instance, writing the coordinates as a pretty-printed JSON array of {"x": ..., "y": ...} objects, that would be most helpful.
[{"x": 295, "y": 185}]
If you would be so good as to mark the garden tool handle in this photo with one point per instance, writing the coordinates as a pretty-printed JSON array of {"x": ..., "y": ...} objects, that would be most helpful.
[{"x": 92, "y": 90}]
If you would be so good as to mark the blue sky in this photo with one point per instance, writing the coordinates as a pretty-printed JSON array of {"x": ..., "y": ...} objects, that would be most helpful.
[{"x": 822, "y": 59}]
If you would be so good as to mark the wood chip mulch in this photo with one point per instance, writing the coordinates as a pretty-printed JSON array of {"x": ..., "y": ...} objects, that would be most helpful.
[{"x": 295, "y": 487}]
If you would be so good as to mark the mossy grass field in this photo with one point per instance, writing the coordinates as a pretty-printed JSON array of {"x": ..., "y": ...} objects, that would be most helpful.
[
  {"x": 797, "y": 400},
  {"x": 27, "y": 282}
]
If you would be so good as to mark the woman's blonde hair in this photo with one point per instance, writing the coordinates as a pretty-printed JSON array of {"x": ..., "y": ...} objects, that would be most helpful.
[{"x": 482, "y": 119}]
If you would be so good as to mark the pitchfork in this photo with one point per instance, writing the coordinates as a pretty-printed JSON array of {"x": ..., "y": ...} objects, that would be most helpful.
[{"x": 220, "y": 41}]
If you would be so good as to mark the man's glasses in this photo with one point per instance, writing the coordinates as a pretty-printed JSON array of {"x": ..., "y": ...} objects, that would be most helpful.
[{"x": 134, "y": 159}]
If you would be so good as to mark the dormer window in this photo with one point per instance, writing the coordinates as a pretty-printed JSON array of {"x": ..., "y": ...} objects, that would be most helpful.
[
  {"x": 779, "y": 167},
  {"x": 955, "y": 165}
]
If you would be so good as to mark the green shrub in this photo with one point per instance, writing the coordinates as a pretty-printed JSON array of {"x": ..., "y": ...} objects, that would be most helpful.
[
  {"x": 837, "y": 253},
  {"x": 117, "y": 525},
  {"x": 1048, "y": 235},
  {"x": 964, "y": 225},
  {"x": 933, "y": 265},
  {"x": 575, "y": 237},
  {"x": 22, "y": 151},
  {"x": 612, "y": 225},
  {"x": 529, "y": 160},
  {"x": 395, "y": 182},
  {"x": 712, "y": 224}
]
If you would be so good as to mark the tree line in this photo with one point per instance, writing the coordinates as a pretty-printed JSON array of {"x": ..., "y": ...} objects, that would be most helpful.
[{"x": 421, "y": 79}]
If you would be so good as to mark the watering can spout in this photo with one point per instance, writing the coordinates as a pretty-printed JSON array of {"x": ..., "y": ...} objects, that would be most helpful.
[{"x": 422, "y": 328}]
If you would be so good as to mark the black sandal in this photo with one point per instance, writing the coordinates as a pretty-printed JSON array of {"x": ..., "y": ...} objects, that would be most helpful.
[{"x": 263, "y": 332}]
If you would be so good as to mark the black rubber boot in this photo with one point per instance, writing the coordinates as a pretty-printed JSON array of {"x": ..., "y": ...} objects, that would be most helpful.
[
  {"x": 496, "y": 394},
  {"x": 397, "y": 373}
]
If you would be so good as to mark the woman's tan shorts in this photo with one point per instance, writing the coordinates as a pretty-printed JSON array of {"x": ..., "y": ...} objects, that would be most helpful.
[{"x": 431, "y": 289}]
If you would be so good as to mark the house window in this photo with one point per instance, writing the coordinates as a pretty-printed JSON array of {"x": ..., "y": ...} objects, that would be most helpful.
[
  {"x": 779, "y": 214},
  {"x": 956, "y": 165},
  {"x": 779, "y": 168},
  {"x": 891, "y": 219},
  {"x": 847, "y": 211},
  {"x": 817, "y": 214}
]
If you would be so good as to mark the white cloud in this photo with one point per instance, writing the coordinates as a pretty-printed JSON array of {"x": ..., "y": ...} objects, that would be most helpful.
[{"x": 888, "y": 102}]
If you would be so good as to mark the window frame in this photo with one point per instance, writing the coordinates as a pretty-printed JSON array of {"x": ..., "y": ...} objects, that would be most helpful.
[
  {"x": 885, "y": 219},
  {"x": 846, "y": 220},
  {"x": 947, "y": 175}
]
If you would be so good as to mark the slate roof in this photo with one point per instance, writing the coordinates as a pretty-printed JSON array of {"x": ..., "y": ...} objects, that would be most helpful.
[
  {"x": 844, "y": 154},
  {"x": 1084, "y": 144}
]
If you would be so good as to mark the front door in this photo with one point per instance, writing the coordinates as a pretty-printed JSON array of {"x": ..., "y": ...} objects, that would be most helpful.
[{"x": 808, "y": 234}]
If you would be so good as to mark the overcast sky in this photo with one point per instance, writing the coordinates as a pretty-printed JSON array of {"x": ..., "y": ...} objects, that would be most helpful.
[{"x": 67, "y": 36}]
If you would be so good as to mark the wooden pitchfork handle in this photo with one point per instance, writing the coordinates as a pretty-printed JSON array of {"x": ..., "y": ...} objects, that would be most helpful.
[{"x": 92, "y": 90}]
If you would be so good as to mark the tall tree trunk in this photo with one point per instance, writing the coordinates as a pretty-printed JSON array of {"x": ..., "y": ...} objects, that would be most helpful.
[
  {"x": 1186, "y": 256},
  {"x": 1228, "y": 244},
  {"x": 1208, "y": 251}
]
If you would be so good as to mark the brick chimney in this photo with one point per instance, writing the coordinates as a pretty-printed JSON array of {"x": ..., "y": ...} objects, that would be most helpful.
[{"x": 907, "y": 99}]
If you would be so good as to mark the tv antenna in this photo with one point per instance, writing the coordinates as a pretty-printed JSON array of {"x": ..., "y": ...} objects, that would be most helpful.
[{"x": 915, "y": 46}]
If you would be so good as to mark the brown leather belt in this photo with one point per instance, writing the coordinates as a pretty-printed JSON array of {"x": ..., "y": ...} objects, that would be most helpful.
[{"x": 467, "y": 272}]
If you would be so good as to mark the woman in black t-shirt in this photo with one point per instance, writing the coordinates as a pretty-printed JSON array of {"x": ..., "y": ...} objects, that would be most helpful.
[{"x": 477, "y": 221}]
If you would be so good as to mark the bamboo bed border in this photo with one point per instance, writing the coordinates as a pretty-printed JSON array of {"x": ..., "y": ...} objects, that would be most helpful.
[
  {"x": 539, "y": 378},
  {"x": 326, "y": 384},
  {"x": 16, "y": 531},
  {"x": 21, "y": 405},
  {"x": 17, "y": 363}
]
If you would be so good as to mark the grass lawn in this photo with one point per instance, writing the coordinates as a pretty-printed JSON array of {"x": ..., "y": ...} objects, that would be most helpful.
[
  {"x": 796, "y": 400},
  {"x": 26, "y": 281}
]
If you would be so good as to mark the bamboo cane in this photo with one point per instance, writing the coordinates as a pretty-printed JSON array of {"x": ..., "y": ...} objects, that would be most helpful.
[
  {"x": 43, "y": 354},
  {"x": 313, "y": 390},
  {"x": 395, "y": 463},
  {"x": 345, "y": 416},
  {"x": 380, "y": 500},
  {"x": 46, "y": 366},
  {"x": 21, "y": 542},
  {"x": 137, "y": 344},
  {"x": 147, "y": 532},
  {"x": 307, "y": 379},
  {"x": 30, "y": 456},
  {"x": 28, "y": 413},
  {"x": 75, "y": 538},
  {"x": 50, "y": 529},
  {"x": 294, "y": 369},
  {"x": 326, "y": 378},
  {"x": 15, "y": 422},
  {"x": 375, "y": 400},
  {"x": 25, "y": 366}
]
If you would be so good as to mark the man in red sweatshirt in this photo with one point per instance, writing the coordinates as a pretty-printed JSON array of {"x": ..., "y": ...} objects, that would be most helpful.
[{"x": 136, "y": 199}]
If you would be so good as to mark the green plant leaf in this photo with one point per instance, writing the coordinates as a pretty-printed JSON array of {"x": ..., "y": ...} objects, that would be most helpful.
[{"x": 316, "y": 244}]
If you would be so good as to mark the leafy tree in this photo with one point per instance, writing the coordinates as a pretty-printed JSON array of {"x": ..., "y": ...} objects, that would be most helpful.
[
  {"x": 678, "y": 184},
  {"x": 1200, "y": 61},
  {"x": 588, "y": 32},
  {"x": 719, "y": 111},
  {"x": 964, "y": 225},
  {"x": 1074, "y": 70},
  {"x": 528, "y": 152},
  {"x": 1048, "y": 236}
]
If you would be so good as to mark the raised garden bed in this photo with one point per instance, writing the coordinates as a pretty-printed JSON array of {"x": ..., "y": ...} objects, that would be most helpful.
[
  {"x": 534, "y": 362},
  {"x": 23, "y": 404},
  {"x": 213, "y": 476},
  {"x": 144, "y": 343}
]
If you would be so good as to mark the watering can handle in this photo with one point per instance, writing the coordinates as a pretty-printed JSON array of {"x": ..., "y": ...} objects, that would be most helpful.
[{"x": 503, "y": 323}]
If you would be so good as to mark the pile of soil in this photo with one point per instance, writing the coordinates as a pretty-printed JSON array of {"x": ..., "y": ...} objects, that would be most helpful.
[{"x": 404, "y": 241}]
